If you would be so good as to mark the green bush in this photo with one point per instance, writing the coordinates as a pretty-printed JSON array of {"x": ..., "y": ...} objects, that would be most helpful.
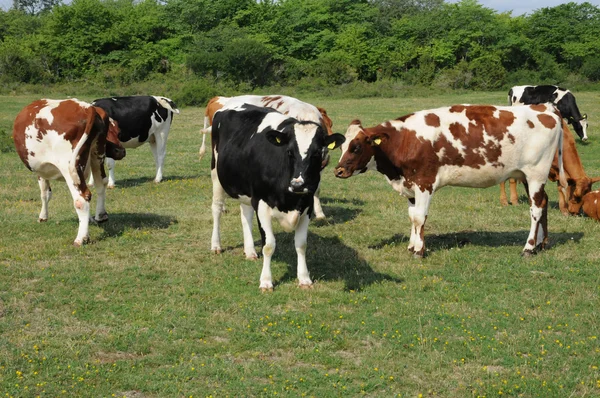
[{"x": 195, "y": 94}]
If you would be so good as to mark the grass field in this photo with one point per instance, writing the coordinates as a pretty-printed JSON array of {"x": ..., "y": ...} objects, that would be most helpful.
[{"x": 145, "y": 310}]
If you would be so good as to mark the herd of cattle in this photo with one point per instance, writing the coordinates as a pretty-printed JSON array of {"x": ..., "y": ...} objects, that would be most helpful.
[{"x": 269, "y": 151}]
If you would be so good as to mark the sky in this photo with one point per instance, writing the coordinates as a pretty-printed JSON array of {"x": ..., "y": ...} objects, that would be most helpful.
[{"x": 518, "y": 7}]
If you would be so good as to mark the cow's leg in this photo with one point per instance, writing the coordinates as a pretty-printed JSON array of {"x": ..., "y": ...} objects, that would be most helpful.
[
  {"x": 503, "y": 198},
  {"x": 419, "y": 216},
  {"x": 514, "y": 196},
  {"x": 159, "y": 150},
  {"x": 538, "y": 210},
  {"x": 100, "y": 182},
  {"x": 217, "y": 207},
  {"x": 46, "y": 194},
  {"x": 411, "y": 210},
  {"x": 319, "y": 215},
  {"x": 81, "y": 201},
  {"x": 264, "y": 215},
  {"x": 562, "y": 201},
  {"x": 110, "y": 162},
  {"x": 247, "y": 212},
  {"x": 300, "y": 239}
]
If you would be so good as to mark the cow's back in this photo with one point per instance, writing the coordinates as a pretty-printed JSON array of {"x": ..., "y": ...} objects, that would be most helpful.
[{"x": 478, "y": 145}]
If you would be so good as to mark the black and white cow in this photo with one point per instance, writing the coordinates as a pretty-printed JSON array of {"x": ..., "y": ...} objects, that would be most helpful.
[
  {"x": 141, "y": 119},
  {"x": 271, "y": 163},
  {"x": 562, "y": 98}
]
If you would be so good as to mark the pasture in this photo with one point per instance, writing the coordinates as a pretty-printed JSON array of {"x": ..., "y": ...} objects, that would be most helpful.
[{"x": 146, "y": 310}]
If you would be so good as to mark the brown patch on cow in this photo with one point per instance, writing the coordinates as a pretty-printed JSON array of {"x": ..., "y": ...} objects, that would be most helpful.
[
  {"x": 547, "y": 120},
  {"x": 24, "y": 119},
  {"x": 212, "y": 107},
  {"x": 268, "y": 101},
  {"x": 433, "y": 120},
  {"x": 538, "y": 107},
  {"x": 539, "y": 198},
  {"x": 457, "y": 108},
  {"x": 326, "y": 120},
  {"x": 530, "y": 124}
]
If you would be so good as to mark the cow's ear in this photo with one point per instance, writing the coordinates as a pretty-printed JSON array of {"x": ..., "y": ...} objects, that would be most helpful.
[
  {"x": 334, "y": 141},
  {"x": 277, "y": 138},
  {"x": 571, "y": 181},
  {"x": 377, "y": 138}
]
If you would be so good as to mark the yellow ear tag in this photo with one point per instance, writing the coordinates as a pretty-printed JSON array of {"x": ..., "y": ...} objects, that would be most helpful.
[
  {"x": 377, "y": 141},
  {"x": 331, "y": 146},
  {"x": 278, "y": 140}
]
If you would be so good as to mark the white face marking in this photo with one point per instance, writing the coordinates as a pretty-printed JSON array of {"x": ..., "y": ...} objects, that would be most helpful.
[
  {"x": 351, "y": 134},
  {"x": 305, "y": 133}
]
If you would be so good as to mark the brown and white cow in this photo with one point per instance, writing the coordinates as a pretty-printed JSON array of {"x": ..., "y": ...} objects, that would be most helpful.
[
  {"x": 463, "y": 145},
  {"x": 289, "y": 106},
  {"x": 579, "y": 184},
  {"x": 66, "y": 140}
]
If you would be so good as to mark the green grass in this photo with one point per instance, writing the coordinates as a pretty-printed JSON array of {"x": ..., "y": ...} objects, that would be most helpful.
[{"x": 146, "y": 310}]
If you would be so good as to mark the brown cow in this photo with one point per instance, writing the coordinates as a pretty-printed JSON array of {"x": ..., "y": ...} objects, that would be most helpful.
[
  {"x": 579, "y": 183},
  {"x": 591, "y": 204},
  {"x": 464, "y": 145},
  {"x": 66, "y": 139}
]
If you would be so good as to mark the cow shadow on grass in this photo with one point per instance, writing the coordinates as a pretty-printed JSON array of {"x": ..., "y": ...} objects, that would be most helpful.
[
  {"x": 338, "y": 214},
  {"x": 134, "y": 182},
  {"x": 118, "y": 223},
  {"x": 329, "y": 259},
  {"x": 478, "y": 238}
]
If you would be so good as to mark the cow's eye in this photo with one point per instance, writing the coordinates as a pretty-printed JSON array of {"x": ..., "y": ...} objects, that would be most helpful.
[{"x": 356, "y": 149}]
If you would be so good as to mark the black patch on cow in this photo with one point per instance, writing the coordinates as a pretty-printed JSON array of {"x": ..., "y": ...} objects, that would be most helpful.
[{"x": 134, "y": 114}]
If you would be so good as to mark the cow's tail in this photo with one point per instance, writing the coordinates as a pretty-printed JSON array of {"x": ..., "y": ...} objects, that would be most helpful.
[
  {"x": 204, "y": 131},
  {"x": 81, "y": 144},
  {"x": 562, "y": 179}
]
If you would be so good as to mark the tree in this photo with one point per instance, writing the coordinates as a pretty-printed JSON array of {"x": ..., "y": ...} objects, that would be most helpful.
[{"x": 34, "y": 7}]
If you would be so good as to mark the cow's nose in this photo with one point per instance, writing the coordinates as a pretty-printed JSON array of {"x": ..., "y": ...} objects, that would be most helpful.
[
  {"x": 297, "y": 183},
  {"x": 339, "y": 171}
]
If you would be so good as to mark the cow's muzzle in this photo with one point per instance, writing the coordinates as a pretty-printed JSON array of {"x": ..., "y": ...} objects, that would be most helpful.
[
  {"x": 341, "y": 172},
  {"x": 115, "y": 152},
  {"x": 298, "y": 186}
]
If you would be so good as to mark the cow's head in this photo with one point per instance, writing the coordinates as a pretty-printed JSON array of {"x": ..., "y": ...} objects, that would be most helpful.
[
  {"x": 114, "y": 149},
  {"x": 357, "y": 151},
  {"x": 305, "y": 143},
  {"x": 580, "y": 126},
  {"x": 576, "y": 190}
]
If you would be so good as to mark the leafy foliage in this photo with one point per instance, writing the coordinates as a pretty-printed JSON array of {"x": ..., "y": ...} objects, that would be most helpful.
[{"x": 252, "y": 44}]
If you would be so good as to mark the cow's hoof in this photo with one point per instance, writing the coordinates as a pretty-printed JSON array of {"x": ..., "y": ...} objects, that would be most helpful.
[
  {"x": 504, "y": 202},
  {"x": 102, "y": 218},
  {"x": 419, "y": 255},
  {"x": 42, "y": 219},
  {"x": 305, "y": 286},
  {"x": 266, "y": 289},
  {"x": 411, "y": 249},
  {"x": 217, "y": 250},
  {"x": 528, "y": 253},
  {"x": 79, "y": 243},
  {"x": 110, "y": 186},
  {"x": 252, "y": 256}
]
